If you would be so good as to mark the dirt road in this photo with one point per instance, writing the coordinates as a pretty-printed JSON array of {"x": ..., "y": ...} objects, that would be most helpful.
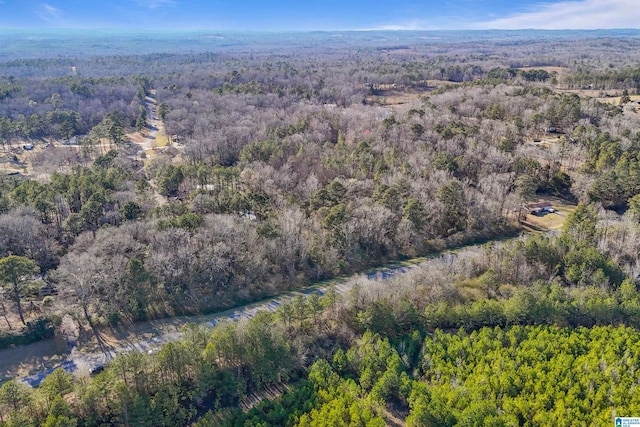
[{"x": 33, "y": 362}]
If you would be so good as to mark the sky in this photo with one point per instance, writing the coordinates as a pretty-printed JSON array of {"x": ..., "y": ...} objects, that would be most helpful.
[{"x": 303, "y": 15}]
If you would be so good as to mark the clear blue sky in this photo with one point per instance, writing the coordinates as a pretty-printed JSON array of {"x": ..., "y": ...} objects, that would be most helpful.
[{"x": 285, "y": 15}]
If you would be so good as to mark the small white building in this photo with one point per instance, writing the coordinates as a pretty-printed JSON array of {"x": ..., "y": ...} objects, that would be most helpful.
[{"x": 540, "y": 207}]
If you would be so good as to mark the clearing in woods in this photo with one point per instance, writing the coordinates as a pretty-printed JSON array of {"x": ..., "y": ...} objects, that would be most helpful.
[
  {"x": 557, "y": 70},
  {"x": 549, "y": 221}
]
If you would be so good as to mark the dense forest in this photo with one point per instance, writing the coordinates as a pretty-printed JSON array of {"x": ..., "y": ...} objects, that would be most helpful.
[
  {"x": 448, "y": 345},
  {"x": 141, "y": 186}
]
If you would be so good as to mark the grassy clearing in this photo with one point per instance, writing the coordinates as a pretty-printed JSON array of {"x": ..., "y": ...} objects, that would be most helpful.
[
  {"x": 394, "y": 98},
  {"x": 550, "y": 221},
  {"x": 615, "y": 100},
  {"x": 610, "y": 96},
  {"x": 162, "y": 140},
  {"x": 544, "y": 141}
]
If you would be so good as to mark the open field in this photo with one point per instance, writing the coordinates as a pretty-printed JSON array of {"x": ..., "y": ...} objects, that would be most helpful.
[
  {"x": 615, "y": 100},
  {"x": 545, "y": 141},
  {"x": 390, "y": 95},
  {"x": 161, "y": 140},
  {"x": 392, "y": 98},
  {"x": 550, "y": 221},
  {"x": 610, "y": 96},
  {"x": 558, "y": 70}
]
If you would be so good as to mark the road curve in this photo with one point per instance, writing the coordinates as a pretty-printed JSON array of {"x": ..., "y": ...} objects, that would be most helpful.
[{"x": 79, "y": 361}]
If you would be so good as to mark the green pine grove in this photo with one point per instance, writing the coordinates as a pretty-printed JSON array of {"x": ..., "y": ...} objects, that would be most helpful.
[{"x": 560, "y": 352}]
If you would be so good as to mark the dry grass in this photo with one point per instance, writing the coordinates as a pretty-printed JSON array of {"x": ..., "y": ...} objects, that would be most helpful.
[
  {"x": 610, "y": 96},
  {"x": 615, "y": 100},
  {"x": 544, "y": 141},
  {"x": 550, "y": 221},
  {"x": 162, "y": 140},
  {"x": 136, "y": 137},
  {"x": 392, "y": 98}
]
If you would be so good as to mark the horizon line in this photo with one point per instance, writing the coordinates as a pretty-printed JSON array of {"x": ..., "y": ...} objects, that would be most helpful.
[{"x": 285, "y": 31}]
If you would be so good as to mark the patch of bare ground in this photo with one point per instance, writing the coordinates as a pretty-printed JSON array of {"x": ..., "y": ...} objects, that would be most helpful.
[
  {"x": 272, "y": 391},
  {"x": 391, "y": 95},
  {"x": 393, "y": 98},
  {"x": 27, "y": 359},
  {"x": 136, "y": 137},
  {"x": 394, "y": 418},
  {"x": 611, "y": 96},
  {"x": 547, "y": 149}
]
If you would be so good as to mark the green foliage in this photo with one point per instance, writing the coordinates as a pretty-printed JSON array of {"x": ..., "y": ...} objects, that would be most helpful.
[
  {"x": 560, "y": 183},
  {"x": 625, "y": 98},
  {"x": 106, "y": 161},
  {"x": 585, "y": 265},
  {"x": 16, "y": 269},
  {"x": 260, "y": 151},
  {"x": 634, "y": 207},
  {"x": 130, "y": 211},
  {"x": 494, "y": 111},
  {"x": 189, "y": 221},
  {"x": 390, "y": 197},
  {"x": 329, "y": 196},
  {"x": 14, "y": 395},
  {"x": 445, "y": 161},
  {"x": 111, "y": 128},
  {"x": 339, "y": 401},
  {"x": 451, "y": 195},
  {"x": 455, "y": 129},
  {"x": 7, "y": 90},
  {"x": 503, "y": 377},
  {"x": 60, "y": 414},
  {"x": 526, "y": 187},
  {"x": 323, "y": 183},
  {"x": 35, "y": 330},
  {"x": 163, "y": 110},
  {"x": 334, "y": 217},
  {"x": 414, "y": 211},
  {"x": 502, "y": 73},
  {"x": 534, "y": 75},
  {"x": 169, "y": 179},
  {"x": 494, "y": 371},
  {"x": 56, "y": 384},
  {"x": 580, "y": 226}
]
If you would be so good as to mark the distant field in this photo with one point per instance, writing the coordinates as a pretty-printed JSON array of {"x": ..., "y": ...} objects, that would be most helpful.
[
  {"x": 550, "y": 221},
  {"x": 615, "y": 100},
  {"x": 557, "y": 70},
  {"x": 544, "y": 141},
  {"x": 611, "y": 96},
  {"x": 392, "y": 96},
  {"x": 396, "y": 97}
]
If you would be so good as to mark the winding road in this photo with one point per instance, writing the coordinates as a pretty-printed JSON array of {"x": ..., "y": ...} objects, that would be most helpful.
[
  {"x": 41, "y": 358},
  {"x": 149, "y": 336}
]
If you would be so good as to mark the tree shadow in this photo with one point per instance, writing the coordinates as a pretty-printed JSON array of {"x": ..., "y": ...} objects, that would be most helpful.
[{"x": 531, "y": 226}]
